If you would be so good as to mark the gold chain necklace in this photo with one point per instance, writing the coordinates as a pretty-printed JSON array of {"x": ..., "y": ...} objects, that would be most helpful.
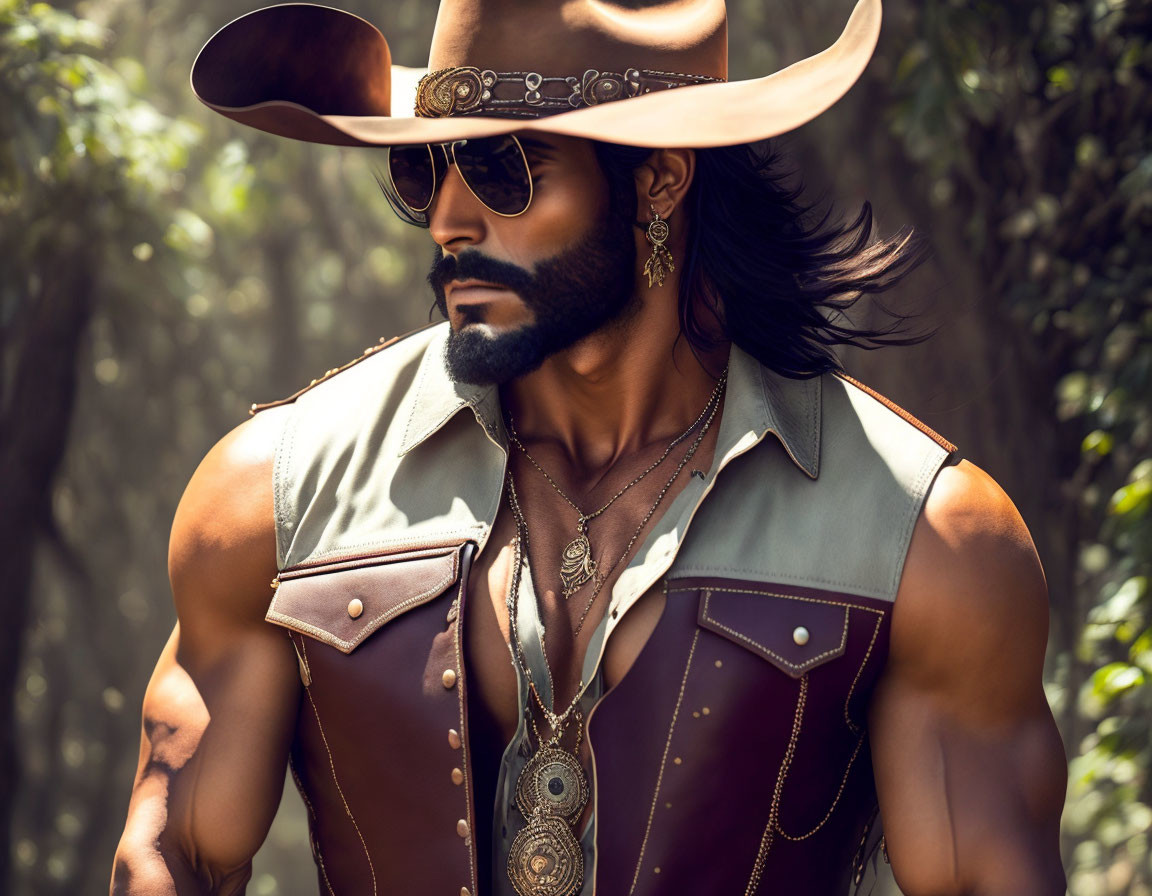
[
  {"x": 577, "y": 566},
  {"x": 545, "y": 858}
]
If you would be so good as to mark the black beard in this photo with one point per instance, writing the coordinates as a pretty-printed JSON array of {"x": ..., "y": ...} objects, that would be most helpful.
[{"x": 573, "y": 294}]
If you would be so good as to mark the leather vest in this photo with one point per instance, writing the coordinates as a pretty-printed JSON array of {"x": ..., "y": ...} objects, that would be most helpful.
[{"x": 733, "y": 755}]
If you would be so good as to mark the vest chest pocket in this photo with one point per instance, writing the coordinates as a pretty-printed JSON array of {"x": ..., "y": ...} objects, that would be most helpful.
[
  {"x": 795, "y": 634},
  {"x": 342, "y": 602}
]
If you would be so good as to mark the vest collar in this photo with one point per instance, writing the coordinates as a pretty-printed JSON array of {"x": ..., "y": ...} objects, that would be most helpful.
[{"x": 758, "y": 401}]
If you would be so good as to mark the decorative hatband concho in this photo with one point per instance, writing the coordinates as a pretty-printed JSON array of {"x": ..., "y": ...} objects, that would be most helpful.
[
  {"x": 554, "y": 781},
  {"x": 546, "y": 859},
  {"x": 466, "y": 90},
  {"x": 453, "y": 91}
]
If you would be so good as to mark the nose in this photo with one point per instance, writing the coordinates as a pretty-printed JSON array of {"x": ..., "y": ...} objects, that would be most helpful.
[{"x": 456, "y": 217}]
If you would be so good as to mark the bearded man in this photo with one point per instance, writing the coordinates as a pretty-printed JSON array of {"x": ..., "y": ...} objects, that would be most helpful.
[{"x": 615, "y": 582}]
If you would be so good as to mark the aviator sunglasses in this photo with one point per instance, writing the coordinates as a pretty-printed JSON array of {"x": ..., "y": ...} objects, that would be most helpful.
[{"x": 495, "y": 170}]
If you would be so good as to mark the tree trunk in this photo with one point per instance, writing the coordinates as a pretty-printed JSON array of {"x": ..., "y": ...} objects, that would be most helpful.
[{"x": 39, "y": 353}]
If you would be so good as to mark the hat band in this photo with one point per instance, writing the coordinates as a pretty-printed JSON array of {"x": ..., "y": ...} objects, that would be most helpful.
[{"x": 467, "y": 90}]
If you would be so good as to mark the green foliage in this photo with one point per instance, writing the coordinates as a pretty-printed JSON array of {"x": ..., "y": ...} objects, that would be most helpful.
[
  {"x": 208, "y": 267},
  {"x": 1033, "y": 122}
]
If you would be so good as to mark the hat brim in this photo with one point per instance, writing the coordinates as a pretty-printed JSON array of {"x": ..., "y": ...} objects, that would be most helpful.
[{"x": 697, "y": 116}]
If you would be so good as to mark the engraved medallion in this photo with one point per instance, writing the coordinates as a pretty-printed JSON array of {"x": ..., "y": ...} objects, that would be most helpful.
[
  {"x": 658, "y": 231},
  {"x": 577, "y": 565},
  {"x": 546, "y": 859},
  {"x": 554, "y": 781}
]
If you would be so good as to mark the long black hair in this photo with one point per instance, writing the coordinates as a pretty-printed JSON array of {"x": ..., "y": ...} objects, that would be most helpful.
[{"x": 769, "y": 272}]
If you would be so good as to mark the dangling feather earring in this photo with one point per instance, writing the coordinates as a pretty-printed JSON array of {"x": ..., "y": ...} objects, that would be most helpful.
[{"x": 659, "y": 263}]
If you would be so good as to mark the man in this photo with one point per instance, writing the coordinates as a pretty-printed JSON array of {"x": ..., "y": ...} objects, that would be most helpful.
[{"x": 614, "y": 583}]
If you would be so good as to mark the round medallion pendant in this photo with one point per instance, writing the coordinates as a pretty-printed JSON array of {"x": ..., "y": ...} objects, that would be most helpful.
[
  {"x": 546, "y": 859},
  {"x": 554, "y": 781}
]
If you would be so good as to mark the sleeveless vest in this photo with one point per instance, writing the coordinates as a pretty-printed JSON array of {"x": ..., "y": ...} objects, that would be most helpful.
[{"x": 733, "y": 755}]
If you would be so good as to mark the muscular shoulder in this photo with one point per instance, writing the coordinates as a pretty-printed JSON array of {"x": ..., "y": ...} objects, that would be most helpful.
[
  {"x": 968, "y": 762},
  {"x": 971, "y": 614},
  {"x": 222, "y": 553}
]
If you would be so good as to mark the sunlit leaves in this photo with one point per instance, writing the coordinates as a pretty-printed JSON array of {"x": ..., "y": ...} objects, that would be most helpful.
[
  {"x": 1133, "y": 499},
  {"x": 232, "y": 267},
  {"x": 1036, "y": 119}
]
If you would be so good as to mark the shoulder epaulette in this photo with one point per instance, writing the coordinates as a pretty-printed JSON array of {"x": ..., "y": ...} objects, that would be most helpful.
[
  {"x": 367, "y": 353},
  {"x": 895, "y": 408}
]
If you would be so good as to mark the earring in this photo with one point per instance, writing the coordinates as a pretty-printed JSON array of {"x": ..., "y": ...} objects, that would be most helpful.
[{"x": 659, "y": 263}]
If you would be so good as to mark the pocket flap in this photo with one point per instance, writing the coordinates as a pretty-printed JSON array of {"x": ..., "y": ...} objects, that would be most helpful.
[
  {"x": 795, "y": 634},
  {"x": 342, "y": 602}
]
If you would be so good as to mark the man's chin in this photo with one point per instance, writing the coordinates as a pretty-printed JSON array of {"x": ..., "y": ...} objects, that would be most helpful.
[{"x": 482, "y": 355}]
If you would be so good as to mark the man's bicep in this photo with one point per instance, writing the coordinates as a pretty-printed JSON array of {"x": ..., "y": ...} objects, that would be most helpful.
[
  {"x": 212, "y": 762},
  {"x": 221, "y": 705},
  {"x": 969, "y": 765},
  {"x": 967, "y": 810}
]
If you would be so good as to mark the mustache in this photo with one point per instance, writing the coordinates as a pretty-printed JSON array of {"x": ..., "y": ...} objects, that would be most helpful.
[{"x": 475, "y": 265}]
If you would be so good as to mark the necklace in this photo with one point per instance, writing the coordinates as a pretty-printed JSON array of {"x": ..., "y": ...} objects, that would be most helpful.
[
  {"x": 545, "y": 858},
  {"x": 714, "y": 404},
  {"x": 577, "y": 566}
]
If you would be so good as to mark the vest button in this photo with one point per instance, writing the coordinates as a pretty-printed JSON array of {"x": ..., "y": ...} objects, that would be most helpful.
[
  {"x": 457, "y": 776},
  {"x": 449, "y": 677},
  {"x": 355, "y": 607},
  {"x": 464, "y": 892},
  {"x": 800, "y": 635},
  {"x": 454, "y": 738},
  {"x": 462, "y": 828}
]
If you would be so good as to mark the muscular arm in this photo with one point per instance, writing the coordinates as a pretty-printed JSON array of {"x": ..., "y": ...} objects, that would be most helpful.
[
  {"x": 969, "y": 765},
  {"x": 221, "y": 704}
]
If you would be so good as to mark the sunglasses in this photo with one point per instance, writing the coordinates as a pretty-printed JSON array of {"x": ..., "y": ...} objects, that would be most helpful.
[{"x": 495, "y": 170}]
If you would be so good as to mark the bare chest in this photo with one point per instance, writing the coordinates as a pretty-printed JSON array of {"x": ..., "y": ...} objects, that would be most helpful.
[
  {"x": 541, "y": 529},
  {"x": 489, "y": 643}
]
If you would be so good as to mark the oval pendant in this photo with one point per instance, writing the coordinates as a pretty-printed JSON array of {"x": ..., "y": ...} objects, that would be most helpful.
[
  {"x": 546, "y": 859},
  {"x": 554, "y": 781}
]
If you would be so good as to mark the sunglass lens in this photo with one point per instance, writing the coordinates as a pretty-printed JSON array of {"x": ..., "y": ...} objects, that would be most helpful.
[
  {"x": 497, "y": 172},
  {"x": 413, "y": 174}
]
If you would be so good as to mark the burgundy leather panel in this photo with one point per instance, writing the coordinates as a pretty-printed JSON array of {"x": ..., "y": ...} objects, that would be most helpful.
[
  {"x": 769, "y": 628},
  {"x": 315, "y": 599},
  {"x": 727, "y": 712},
  {"x": 372, "y": 750},
  {"x": 699, "y": 751}
]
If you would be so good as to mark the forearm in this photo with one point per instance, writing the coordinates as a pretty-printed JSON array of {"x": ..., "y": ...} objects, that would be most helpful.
[
  {"x": 151, "y": 871},
  {"x": 150, "y": 861}
]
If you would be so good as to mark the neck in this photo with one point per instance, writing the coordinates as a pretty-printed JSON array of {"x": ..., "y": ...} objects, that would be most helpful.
[{"x": 619, "y": 390}]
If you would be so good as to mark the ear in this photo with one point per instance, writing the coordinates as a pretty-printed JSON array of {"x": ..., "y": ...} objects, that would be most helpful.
[{"x": 662, "y": 181}]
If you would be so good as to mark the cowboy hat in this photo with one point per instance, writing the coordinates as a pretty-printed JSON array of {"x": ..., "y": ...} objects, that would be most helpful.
[{"x": 651, "y": 74}]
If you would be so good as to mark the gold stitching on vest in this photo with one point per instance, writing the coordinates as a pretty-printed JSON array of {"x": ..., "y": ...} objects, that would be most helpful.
[
  {"x": 807, "y": 663},
  {"x": 335, "y": 780},
  {"x": 774, "y": 809},
  {"x": 862, "y": 736},
  {"x": 384, "y": 343},
  {"x": 867, "y": 655},
  {"x": 774, "y": 825},
  {"x": 664, "y": 761},
  {"x": 839, "y": 793},
  {"x": 312, "y": 818},
  {"x": 899, "y": 411},
  {"x": 371, "y": 626},
  {"x": 811, "y": 600}
]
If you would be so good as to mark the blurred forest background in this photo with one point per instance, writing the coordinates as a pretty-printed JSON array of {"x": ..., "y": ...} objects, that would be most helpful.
[{"x": 161, "y": 268}]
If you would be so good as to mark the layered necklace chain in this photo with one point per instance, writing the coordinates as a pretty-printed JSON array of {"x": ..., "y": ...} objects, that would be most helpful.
[
  {"x": 545, "y": 858},
  {"x": 577, "y": 565}
]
